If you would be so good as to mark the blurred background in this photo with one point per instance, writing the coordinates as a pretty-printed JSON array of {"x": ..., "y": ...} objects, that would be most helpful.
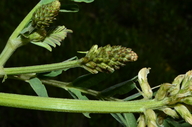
[{"x": 159, "y": 31}]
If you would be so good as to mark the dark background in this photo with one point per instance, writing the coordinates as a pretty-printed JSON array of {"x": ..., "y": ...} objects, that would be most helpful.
[{"x": 159, "y": 31}]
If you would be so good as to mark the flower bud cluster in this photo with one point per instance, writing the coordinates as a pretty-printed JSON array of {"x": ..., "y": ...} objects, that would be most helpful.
[
  {"x": 176, "y": 96},
  {"x": 107, "y": 58},
  {"x": 45, "y": 14}
]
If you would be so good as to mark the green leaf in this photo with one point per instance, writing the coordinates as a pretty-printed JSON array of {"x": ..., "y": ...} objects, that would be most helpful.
[
  {"x": 89, "y": 80},
  {"x": 185, "y": 125},
  {"x": 46, "y": 1},
  {"x": 54, "y": 37},
  {"x": 171, "y": 123},
  {"x": 86, "y": 1},
  {"x": 44, "y": 45},
  {"x": 125, "y": 119},
  {"x": 132, "y": 97},
  {"x": 53, "y": 73},
  {"x": 77, "y": 95},
  {"x": 120, "y": 88},
  {"x": 119, "y": 118},
  {"x": 70, "y": 8},
  {"x": 130, "y": 119},
  {"x": 38, "y": 87}
]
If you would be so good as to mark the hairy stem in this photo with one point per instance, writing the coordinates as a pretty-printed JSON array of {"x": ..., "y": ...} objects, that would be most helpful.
[
  {"x": 72, "y": 105},
  {"x": 42, "y": 68}
]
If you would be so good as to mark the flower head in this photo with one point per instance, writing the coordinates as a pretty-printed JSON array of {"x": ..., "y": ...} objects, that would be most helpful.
[
  {"x": 45, "y": 14},
  {"x": 107, "y": 58}
]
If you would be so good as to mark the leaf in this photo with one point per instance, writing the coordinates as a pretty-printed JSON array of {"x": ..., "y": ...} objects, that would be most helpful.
[
  {"x": 185, "y": 125},
  {"x": 130, "y": 119},
  {"x": 119, "y": 118},
  {"x": 77, "y": 95},
  {"x": 54, "y": 37},
  {"x": 171, "y": 123},
  {"x": 89, "y": 80},
  {"x": 44, "y": 45},
  {"x": 120, "y": 88},
  {"x": 53, "y": 73},
  {"x": 125, "y": 119},
  {"x": 70, "y": 8},
  {"x": 132, "y": 97},
  {"x": 38, "y": 87},
  {"x": 86, "y": 1},
  {"x": 46, "y": 1}
]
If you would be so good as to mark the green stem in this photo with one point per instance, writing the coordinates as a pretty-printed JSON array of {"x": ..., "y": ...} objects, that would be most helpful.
[
  {"x": 6, "y": 53},
  {"x": 72, "y": 105},
  {"x": 23, "y": 23},
  {"x": 42, "y": 68},
  {"x": 14, "y": 41},
  {"x": 67, "y": 85}
]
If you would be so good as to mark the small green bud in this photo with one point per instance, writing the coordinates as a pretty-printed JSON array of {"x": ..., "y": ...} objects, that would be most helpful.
[
  {"x": 107, "y": 58},
  {"x": 184, "y": 112},
  {"x": 150, "y": 118},
  {"x": 38, "y": 35},
  {"x": 45, "y": 14},
  {"x": 170, "y": 112},
  {"x": 143, "y": 82},
  {"x": 163, "y": 91}
]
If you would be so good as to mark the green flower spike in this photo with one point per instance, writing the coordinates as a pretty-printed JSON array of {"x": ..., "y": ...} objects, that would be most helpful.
[
  {"x": 45, "y": 14},
  {"x": 107, "y": 58}
]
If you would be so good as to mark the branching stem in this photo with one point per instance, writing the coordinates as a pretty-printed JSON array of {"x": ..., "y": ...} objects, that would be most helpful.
[{"x": 13, "y": 42}]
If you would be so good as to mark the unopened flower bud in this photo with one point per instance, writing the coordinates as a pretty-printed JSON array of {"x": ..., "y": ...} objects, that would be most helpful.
[
  {"x": 187, "y": 100},
  {"x": 45, "y": 14},
  {"x": 151, "y": 118},
  {"x": 184, "y": 112},
  {"x": 163, "y": 91},
  {"x": 170, "y": 112},
  {"x": 143, "y": 82},
  {"x": 187, "y": 81},
  {"x": 141, "y": 121},
  {"x": 38, "y": 35},
  {"x": 176, "y": 85}
]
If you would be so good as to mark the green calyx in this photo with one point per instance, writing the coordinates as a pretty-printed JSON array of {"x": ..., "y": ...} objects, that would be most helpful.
[
  {"x": 45, "y": 14},
  {"x": 107, "y": 58},
  {"x": 38, "y": 35}
]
